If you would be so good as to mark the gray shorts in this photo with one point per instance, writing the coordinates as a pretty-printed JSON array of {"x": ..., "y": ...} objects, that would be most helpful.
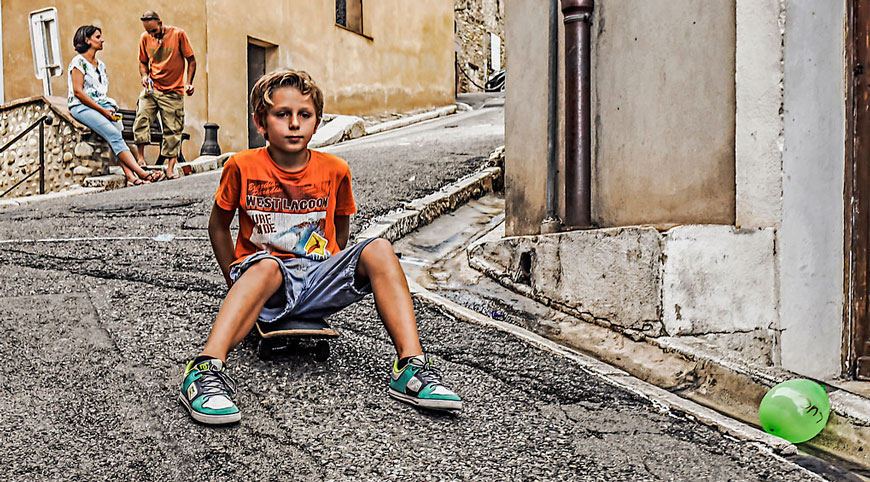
[{"x": 312, "y": 289}]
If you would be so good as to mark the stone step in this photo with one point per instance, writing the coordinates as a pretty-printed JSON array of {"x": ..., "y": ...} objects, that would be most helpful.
[{"x": 107, "y": 182}]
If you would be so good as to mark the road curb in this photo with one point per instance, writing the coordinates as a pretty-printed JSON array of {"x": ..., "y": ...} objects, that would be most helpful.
[
  {"x": 340, "y": 128},
  {"x": 413, "y": 119},
  {"x": 420, "y": 212},
  {"x": 659, "y": 397},
  {"x": 20, "y": 201},
  {"x": 665, "y": 371}
]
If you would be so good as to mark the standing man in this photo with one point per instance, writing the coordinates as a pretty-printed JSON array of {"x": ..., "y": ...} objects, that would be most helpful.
[{"x": 163, "y": 51}]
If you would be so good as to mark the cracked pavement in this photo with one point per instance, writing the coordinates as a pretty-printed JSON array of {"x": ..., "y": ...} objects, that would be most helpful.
[{"x": 94, "y": 335}]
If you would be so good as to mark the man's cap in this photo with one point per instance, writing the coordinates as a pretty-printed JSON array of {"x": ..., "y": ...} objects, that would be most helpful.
[{"x": 149, "y": 15}]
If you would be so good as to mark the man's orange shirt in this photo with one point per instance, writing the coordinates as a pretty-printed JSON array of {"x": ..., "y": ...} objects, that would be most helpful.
[
  {"x": 290, "y": 214},
  {"x": 166, "y": 58}
]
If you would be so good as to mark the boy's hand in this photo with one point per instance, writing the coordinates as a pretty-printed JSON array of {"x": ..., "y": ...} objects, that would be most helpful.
[
  {"x": 342, "y": 230},
  {"x": 222, "y": 239}
]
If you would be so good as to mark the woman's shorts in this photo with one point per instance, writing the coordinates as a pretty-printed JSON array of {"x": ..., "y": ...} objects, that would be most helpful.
[{"x": 312, "y": 289}]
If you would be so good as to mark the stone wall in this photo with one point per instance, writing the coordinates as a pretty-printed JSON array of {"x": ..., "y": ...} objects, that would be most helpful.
[
  {"x": 475, "y": 20},
  {"x": 72, "y": 151}
]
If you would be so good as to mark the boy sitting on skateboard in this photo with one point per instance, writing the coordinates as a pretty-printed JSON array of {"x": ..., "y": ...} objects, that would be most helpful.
[{"x": 289, "y": 259}]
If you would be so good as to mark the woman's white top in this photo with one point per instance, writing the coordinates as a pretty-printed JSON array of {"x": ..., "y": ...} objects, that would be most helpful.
[{"x": 96, "y": 83}]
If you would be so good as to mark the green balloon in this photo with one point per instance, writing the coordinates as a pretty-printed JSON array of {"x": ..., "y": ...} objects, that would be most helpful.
[{"x": 796, "y": 410}]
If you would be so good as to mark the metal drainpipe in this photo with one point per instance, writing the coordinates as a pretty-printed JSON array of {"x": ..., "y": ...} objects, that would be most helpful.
[
  {"x": 578, "y": 139},
  {"x": 551, "y": 223}
]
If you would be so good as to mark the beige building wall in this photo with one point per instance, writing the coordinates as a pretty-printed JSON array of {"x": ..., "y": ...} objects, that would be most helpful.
[
  {"x": 121, "y": 29},
  {"x": 403, "y": 61}
]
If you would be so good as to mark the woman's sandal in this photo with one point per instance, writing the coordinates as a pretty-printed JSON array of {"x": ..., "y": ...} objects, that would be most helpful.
[
  {"x": 154, "y": 176},
  {"x": 137, "y": 182},
  {"x": 173, "y": 176}
]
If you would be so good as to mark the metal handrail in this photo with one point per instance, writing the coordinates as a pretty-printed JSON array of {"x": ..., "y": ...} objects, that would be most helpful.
[{"x": 45, "y": 119}]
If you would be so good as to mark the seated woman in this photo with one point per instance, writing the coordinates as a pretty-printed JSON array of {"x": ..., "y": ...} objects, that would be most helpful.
[{"x": 88, "y": 103}]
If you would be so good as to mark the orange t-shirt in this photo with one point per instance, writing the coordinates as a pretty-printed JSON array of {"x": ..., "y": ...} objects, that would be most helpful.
[
  {"x": 290, "y": 214},
  {"x": 166, "y": 58}
]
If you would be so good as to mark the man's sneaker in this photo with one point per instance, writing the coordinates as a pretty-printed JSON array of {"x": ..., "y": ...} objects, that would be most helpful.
[
  {"x": 207, "y": 392},
  {"x": 419, "y": 383}
]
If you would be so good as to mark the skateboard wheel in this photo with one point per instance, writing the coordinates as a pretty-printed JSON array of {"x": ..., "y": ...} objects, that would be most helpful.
[
  {"x": 321, "y": 350},
  {"x": 264, "y": 349}
]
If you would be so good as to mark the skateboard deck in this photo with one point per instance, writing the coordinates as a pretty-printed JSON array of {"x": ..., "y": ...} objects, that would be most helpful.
[{"x": 290, "y": 337}]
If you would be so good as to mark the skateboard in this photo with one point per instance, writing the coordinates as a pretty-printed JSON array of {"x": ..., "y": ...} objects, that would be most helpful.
[{"x": 294, "y": 336}]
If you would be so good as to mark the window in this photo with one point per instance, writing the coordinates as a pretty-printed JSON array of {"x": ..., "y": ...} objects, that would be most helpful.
[
  {"x": 45, "y": 45},
  {"x": 348, "y": 14}
]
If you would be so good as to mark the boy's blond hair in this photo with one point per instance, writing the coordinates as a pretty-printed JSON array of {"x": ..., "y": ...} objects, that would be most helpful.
[{"x": 261, "y": 94}]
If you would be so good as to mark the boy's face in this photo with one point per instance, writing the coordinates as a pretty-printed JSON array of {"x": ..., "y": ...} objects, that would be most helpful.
[{"x": 290, "y": 121}]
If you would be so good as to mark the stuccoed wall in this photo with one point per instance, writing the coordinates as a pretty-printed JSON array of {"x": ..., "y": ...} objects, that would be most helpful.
[
  {"x": 403, "y": 62},
  {"x": 759, "y": 120},
  {"x": 72, "y": 151},
  {"x": 663, "y": 113},
  {"x": 810, "y": 241},
  {"x": 715, "y": 282},
  {"x": 663, "y": 107},
  {"x": 525, "y": 113}
]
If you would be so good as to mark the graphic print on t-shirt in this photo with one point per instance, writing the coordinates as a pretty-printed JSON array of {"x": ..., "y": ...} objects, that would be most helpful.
[
  {"x": 291, "y": 219},
  {"x": 161, "y": 54}
]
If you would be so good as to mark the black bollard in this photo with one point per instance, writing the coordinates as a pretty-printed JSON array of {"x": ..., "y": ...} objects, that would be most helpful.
[{"x": 210, "y": 146}]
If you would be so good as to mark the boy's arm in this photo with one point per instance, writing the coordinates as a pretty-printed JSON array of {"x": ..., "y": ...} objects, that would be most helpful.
[
  {"x": 342, "y": 230},
  {"x": 221, "y": 239}
]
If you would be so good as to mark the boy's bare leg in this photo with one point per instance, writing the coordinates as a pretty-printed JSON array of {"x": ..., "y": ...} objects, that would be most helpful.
[
  {"x": 416, "y": 381},
  {"x": 241, "y": 307},
  {"x": 380, "y": 265},
  {"x": 207, "y": 390}
]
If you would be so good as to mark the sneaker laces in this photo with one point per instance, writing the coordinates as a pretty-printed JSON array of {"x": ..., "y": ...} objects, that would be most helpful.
[
  {"x": 428, "y": 372},
  {"x": 215, "y": 382}
]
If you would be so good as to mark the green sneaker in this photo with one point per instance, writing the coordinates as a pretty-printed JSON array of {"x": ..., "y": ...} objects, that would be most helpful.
[
  {"x": 419, "y": 383},
  {"x": 207, "y": 392}
]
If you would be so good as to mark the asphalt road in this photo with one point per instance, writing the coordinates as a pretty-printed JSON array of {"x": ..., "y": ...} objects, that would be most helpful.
[{"x": 106, "y": 297}]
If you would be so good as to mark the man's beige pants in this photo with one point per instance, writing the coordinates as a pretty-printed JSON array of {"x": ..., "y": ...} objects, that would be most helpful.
[{"x": 171, "y": 108}]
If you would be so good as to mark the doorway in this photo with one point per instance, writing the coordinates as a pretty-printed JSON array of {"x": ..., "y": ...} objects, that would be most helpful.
[
  {"x": 256, "y": 69},
  {"x": 856, "y": 359}
]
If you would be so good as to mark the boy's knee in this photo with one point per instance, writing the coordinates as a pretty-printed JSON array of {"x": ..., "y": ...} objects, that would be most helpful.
[
  {"x": 265, "y": 269},
  {"x": 379, "y": 248}
]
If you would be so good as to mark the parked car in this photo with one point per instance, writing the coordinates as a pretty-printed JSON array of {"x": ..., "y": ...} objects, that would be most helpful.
[{"x": 496, "y": 82}]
